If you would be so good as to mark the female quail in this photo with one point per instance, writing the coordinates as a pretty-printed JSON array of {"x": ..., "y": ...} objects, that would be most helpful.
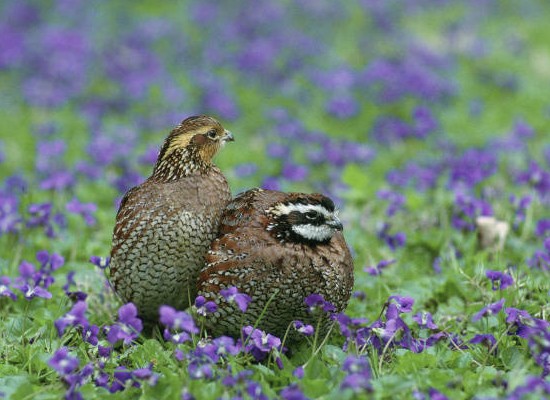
[
  {"x": 278, "y": 248},
  {"x": 164, "y": 226}
]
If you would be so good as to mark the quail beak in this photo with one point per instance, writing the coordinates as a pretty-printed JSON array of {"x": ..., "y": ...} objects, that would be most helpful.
[
  {"x": 335, "y": 224},
  {"x": 227, "y": 137}
]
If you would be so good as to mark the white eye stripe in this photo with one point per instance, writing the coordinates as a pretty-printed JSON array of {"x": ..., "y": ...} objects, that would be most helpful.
[{"x": 282, "y": 209}]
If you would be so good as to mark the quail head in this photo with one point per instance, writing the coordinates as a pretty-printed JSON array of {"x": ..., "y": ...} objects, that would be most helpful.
[
  {"x": 165, "y": 225},
  {"x": 277, "y": 248}
]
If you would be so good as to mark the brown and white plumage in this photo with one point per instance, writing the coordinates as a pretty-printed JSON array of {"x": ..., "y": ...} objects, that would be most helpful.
[
  {"x": 165, "y": 225},
  {"x": 278, "y": 247}
]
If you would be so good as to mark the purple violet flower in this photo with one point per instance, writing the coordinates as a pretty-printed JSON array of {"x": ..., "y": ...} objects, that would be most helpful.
[
  {"x": 487, "y": 340},
  {"x": 70, "y": 282},
  {"x": 49, "y": 263},
  {"x": 499, "y": 280},
  {"x": 271, "y": 183},
  {"x": 149, "y": 156},
  {"x": 543, "y": 227},
  {"x": 342, "y": 106},
  {"x": 102, "y": 380},
  {"x": 177, "y": 319},
  {"x": 523, "y": 322},
  {"x": 539, "y": 344},
  {"x": 522, "y": 129},
  {"x": 5, "y": 290},
  {"x": 179, "y": 355},
  {"x": 436, "y": 265},
  {"x": 179, "y": 324},
  {"x": 204, "y": 307},
  {"x": 456, "y": 342},
  {"x": 75, "y": 317},
  {"x": 424, "y": 121},
  {"x": 541, "y": 258},
  {"x": 254, "y": 390},
  {"x": 16, "y": 184},
  {"x": 245, "y": 170},
  {"x": 101, "y": 262},
  {"x": 127, "y": 179},
  {"x": 241, "y": 377},
  {"x": 424, "y": 320},
  {"x": 122, "y": 378},
  {"x": 520, "y": 205},
  {"x": 395, "y": 199},
  {"x": 49, "y": 153},
  {"x": 393, "y": 330},
  {"x": 306, "y": 330},
  {"x": 404, "y": 303},
  {"x": 58, "y": 180},
  {"x": 40, "y": 215},
  {"x": 220, "y": 102},
  {"x": 421, "y": 177},
  {"x": 377, "y": 269},
  {"x": 127, "y": 314},
  {"x": 436, "y": 395},
  {"x": 128, "y": 328},
  {"x": 260, "y": 343},
  {"x": 224, "y": 345},
  {"x": 104, "y": 351},
  {"x": 146, "y": 375},
  {"x": 534, "y": 386},
  {"x": 537, "y": 178},
  {"x": 77, "y": 295},
  {"x": 490, "y": 309},
  {"x": 27, "y": 271},
  {"x": 200, "y": 370},
  {"x": 472, "y": 167},
  {"x": 295, "y": 172},
  {"x": 316, "y": 302},
  {"x": 62, "y": 362},
  {"x": 393, "y": 241},
  {"x": 292, "y": 392},
  {"x": 467, "y": 208},
  {"x": 390, "y": 129},
  {"x": 349, "y": 327},
  {"x": 359, "y": 295},
  {"x": 10, "y": 220},
  {"x": 31, "y": 291},
  {"x": 298, "y": 372},
  {"x": 380, "y": 334},
  {"x": 435, "y": 338},
  {"x": 359, "y": 374},
  {"x": 85, "y": 210},
  {"x": 76, "y": 380},
  {"x": 176, "y": 337},
  {"x": 89, "y": 334},
  {"x": 277, "y": 150},
  {"x": 232, "y": 295}
]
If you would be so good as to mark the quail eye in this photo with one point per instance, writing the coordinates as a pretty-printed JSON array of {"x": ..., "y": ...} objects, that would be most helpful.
[
  {"x": 211, "y": 134},
  {"x": 312, "y": 215}
]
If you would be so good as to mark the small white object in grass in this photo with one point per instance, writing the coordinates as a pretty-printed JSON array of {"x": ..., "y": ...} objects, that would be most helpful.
[{"x": 491, "y": 232}]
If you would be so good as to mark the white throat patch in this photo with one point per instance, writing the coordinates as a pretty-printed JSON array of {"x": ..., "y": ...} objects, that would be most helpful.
[{"x": 318, "y": 233}]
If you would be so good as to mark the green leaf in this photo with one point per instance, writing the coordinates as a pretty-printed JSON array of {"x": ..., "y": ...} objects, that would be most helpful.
[{"x": 410, "y": 362}]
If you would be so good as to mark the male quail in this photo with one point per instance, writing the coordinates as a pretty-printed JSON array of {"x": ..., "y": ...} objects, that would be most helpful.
[
  {"x": 277, "y": 248},
  {"x": 164, "y": 226}
]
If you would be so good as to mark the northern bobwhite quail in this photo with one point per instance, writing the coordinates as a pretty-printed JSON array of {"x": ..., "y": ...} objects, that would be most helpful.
[
  {"x": 277, "y": 248},
  {"x": 165, "y": 225}
]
